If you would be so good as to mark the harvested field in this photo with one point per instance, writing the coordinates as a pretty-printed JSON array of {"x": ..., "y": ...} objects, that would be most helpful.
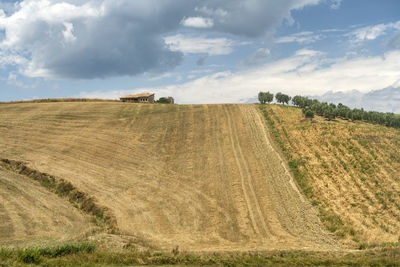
[
  {"x": 204, "y": 177},
  {"x": 29, "y": 214},
  {"x": 351, "y": 171}
]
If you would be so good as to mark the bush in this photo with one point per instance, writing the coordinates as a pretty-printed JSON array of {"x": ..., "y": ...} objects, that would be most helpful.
[
  {"x": 164, "y": 100},
  {"x": 29, "y": 256},
  {"x": 67, "y": 249},
  {"x": 308, "y": 113}
]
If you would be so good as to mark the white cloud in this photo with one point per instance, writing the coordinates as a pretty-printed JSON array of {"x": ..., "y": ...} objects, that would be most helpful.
[
  {"x": 369, "y": 33},
  {"x": 200, "y": 45},
  {"x": 305, "y": 73},
  {"x": 257, "y": 58},
  {"x": 11, "y": 58},
  {"x": 15, "y": 82},
  {"x": 301, "y": 38},
  {"x": 68, "y": 33},
  {"x": 197, "y": 22},
  {"x": 91, "y": 39},
  {"x": 335, "y": 4},
  {"x": 106, "y": 38}
]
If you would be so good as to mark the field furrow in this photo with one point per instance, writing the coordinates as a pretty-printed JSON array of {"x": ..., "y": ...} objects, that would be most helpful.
[{"x": 204, "y": 177}]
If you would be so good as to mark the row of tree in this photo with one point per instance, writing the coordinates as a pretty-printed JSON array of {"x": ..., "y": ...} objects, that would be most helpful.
[
  {"x": 331, "y": 111},
  {"x": 267, "y": 97}
]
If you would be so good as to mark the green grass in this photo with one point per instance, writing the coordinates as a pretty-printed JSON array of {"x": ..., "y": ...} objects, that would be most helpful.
[
  {"x": 39, "y": 255},
  {"x": 86, "y": 254}
]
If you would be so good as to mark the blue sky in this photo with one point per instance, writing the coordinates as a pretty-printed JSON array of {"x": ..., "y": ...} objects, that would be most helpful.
[{"x": 199, "y": 51}]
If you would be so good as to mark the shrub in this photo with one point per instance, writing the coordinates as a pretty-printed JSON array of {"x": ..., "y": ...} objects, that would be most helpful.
[
  {"x": 308, "y": 113},
  {"x": 29, "y": 256},
  {"x": 164, "y": 100}
]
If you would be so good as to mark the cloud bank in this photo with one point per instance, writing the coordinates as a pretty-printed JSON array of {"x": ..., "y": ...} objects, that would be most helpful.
[
  {"x": 306, "y": 73},
  {"x": 75, "y": 39}
]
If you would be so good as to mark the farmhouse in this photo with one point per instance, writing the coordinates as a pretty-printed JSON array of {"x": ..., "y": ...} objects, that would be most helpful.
[{"x": 139, "y": 98}]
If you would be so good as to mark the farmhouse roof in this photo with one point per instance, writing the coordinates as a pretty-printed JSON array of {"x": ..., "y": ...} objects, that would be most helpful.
[{"x": 138, "y": 95}]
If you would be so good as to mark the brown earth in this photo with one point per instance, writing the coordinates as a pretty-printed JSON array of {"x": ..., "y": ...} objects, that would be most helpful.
[
  {"x": 353, "y": 170},
  {"x": 204, "y": 177},
  {"x": 29, "y": 214}
]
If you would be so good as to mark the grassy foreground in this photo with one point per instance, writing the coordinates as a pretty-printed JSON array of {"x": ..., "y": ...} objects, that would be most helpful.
[{"x": 86, "y": 254}]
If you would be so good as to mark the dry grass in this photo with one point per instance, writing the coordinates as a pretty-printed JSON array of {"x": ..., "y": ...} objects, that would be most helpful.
[
  {"x": 350, "y": 170},
  {"x": 204, "y": 177},
  {"x": 30, "y": 215}
]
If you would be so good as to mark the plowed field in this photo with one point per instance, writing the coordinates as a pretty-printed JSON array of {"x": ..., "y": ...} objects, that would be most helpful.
[{"x": 204, "y": 177}]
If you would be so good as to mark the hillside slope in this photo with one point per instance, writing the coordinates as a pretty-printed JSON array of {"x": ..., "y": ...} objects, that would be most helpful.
[
  {"x": 351, "y": 169},
  {"x": 29, "y": 214},
  {"x": 204, "y": 177}
]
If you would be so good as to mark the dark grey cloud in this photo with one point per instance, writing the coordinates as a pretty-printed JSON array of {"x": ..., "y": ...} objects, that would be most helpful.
[
  {"x": 76, "y": 39},
  {"x": 250, "y": 18}
]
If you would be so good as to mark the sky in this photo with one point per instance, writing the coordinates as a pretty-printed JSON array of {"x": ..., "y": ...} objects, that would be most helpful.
[{"x": 198, "y": 51}]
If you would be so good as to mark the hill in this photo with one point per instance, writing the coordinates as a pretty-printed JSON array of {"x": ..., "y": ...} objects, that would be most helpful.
[
  {"x": 30, "y": 215},
  {"x": 349, "y": 170},
  {"x": 204, "y": 177}
]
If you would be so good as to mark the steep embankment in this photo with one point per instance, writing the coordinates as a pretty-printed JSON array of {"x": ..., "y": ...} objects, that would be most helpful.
[
  {"x": 204, "y": 177},
  {"x": 350, "y": 170}
]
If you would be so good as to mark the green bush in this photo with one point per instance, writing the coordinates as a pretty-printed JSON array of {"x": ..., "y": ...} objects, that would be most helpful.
[
  {"x": 67, "y": 249},
  {"x": 164, "y": 100},
  {"x": 29, "y": 256},
  {"x": 308, "y": 113}
]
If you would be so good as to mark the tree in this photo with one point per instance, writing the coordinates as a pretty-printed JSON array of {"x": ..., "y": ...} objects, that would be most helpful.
[
  {"x": 299, "y": 101},
  {"x": 163, "y": 100},
  {"x": 265, "y": 97},
  {"x": 329, "y": 112},
  {"x": 282, "y": 98}
]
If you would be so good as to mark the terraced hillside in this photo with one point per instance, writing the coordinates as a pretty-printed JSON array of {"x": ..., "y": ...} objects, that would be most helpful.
[
  {"x": 350, "y": 170},
  {"x": 204, "y": 177}
]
